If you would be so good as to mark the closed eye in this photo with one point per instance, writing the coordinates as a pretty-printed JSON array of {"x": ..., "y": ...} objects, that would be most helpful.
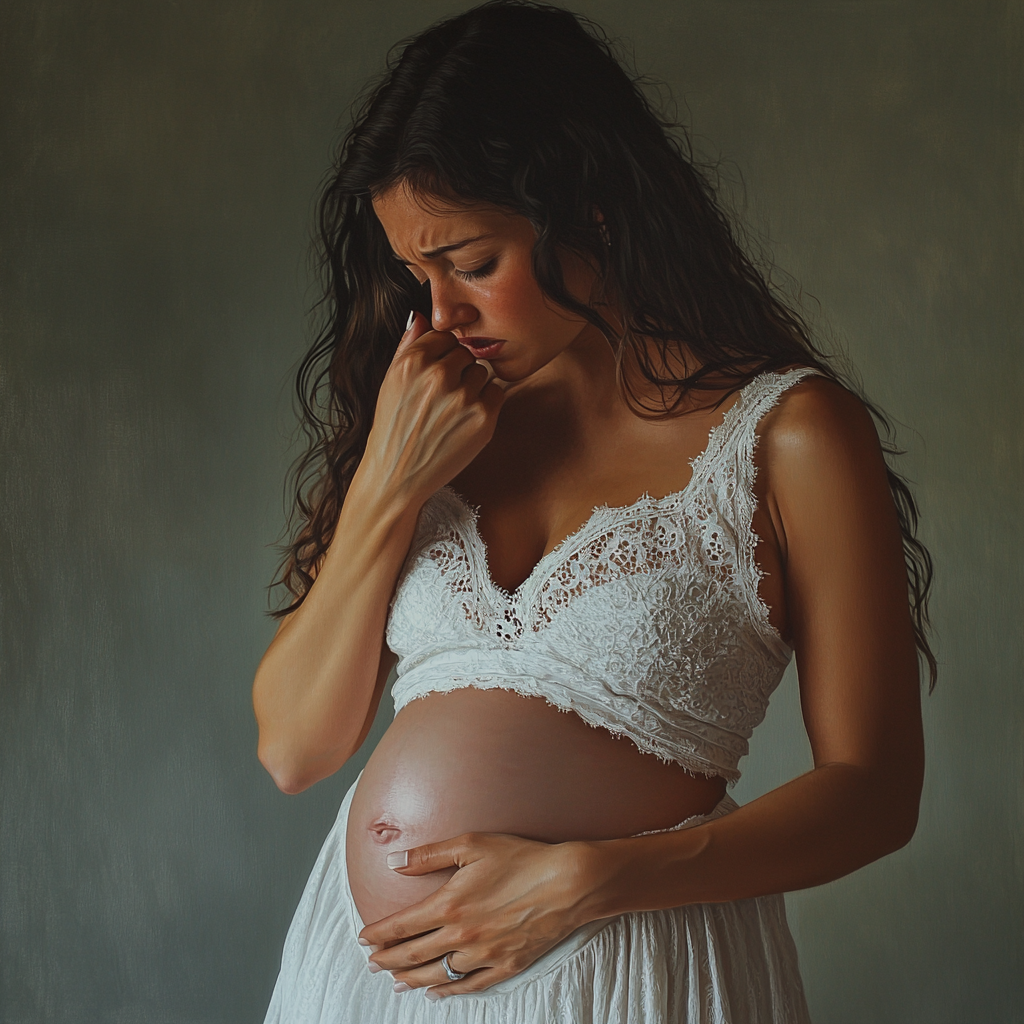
[{"x": 484, "y": 271}]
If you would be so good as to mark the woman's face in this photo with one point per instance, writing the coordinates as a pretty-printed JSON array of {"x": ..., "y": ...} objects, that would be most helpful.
[{"x": 477, "y": 260}]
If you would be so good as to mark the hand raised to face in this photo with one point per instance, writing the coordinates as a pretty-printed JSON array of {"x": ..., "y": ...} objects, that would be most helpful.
[{"x": 436, "y": 409}]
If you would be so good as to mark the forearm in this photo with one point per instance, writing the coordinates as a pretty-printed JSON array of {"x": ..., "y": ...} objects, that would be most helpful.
[
  {"x": 812, "y": 830},
  {"x": 315, "y": 684}
]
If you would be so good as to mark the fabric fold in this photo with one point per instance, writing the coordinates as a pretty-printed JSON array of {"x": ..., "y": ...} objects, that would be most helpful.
[{"x": 725, "y": 963}]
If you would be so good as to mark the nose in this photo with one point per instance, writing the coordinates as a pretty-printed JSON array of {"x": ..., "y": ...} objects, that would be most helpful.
[{"x": 448, "y": 311}]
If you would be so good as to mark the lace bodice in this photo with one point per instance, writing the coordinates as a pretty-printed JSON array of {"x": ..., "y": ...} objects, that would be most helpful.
[{"x": 646, "y": 621}]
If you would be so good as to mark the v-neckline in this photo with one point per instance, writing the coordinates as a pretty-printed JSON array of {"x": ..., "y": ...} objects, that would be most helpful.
[{"x": 573, "y": 538}]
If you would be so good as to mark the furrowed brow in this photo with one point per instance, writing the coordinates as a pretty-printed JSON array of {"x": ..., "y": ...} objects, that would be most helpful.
[{"x": 434, "y": 253}]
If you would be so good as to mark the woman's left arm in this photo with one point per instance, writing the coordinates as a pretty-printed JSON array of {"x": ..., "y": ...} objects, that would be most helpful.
[{"x": 849, "y": 618}]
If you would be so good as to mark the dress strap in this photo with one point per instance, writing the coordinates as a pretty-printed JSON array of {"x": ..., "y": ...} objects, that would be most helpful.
[
  {"x": 757, "y": 399},
  {"x": 736, "y": 472}
]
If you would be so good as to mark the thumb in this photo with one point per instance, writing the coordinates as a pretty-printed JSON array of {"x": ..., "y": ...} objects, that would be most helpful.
[{"x": 422, "y": 860}]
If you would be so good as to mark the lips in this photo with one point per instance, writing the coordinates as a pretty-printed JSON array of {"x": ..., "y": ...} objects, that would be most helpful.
[{"x": 483, "y": 348}]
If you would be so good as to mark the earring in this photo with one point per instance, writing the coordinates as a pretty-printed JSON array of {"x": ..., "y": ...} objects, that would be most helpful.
[{"x": 604, "y": 234}]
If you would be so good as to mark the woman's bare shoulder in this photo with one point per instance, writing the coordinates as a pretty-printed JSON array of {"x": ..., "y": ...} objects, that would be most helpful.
[
  {"x": 818, "y": 419},
  {"x": 825, "y": 474}
]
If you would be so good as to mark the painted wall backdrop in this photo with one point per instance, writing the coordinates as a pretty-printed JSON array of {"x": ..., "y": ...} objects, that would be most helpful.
[{"x": 157, "y": 168}]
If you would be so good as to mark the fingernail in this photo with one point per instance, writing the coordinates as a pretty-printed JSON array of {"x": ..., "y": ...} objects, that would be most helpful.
[
  {"x": 432, "y": 994},
  {"x": 362, "y": 941},
  {"x": 398, "y": 860},
  {"x": 412, "y": 316},
  {"x": 400, "y": 986},
  {"x": 374, "y": 968}
]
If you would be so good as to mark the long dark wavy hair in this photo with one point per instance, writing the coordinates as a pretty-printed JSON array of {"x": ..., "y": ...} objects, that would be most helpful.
[{"x": 526, "y": 106}]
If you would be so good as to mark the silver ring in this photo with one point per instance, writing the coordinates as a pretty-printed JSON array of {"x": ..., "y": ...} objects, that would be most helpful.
[{"x": 453, "y": 975}]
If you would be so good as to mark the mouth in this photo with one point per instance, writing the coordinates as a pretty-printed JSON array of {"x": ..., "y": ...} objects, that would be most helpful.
[{"x": 483, "y": 348}]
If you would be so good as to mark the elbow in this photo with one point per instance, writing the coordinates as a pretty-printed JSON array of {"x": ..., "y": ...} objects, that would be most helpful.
[
  {"x": 290, "y": 783},
  {"x": 899, "y": 822},
  {"x": 887, "y": 810},
  {"x": 295, "y": 767},
  {"x": 287, "y": 773},
  {"x": 298, "y": 750},
  {"x": 293, "y": 772}
]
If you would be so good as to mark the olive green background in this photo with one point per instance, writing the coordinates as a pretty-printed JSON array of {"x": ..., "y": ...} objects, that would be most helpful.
[{"x": 157, "y": 167}]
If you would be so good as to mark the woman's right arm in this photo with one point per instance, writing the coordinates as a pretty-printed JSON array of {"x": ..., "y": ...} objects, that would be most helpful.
[{"x": 318, "y": 685}]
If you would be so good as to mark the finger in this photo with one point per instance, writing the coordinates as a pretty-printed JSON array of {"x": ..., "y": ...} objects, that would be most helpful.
[
  {"x": 492, "y": 374},
  {"x": 421, "y": 918},
  {"x": 414, "y": 329},
  {"x": 475, "y": 982},
  {"x": 458, "y": 356},
  {"x": 432, "y": 974},
  {"x": 421, "y": 860},
  {"x": 493, "y": 396},
  {"x": 474, "y": 377},
  {"x": 436, "y": 344},
  {"x": 414, "y": 953},
  {"x": 407, "y": 924}
]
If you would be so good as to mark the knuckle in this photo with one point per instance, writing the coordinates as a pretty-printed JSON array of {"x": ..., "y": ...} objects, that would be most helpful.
[
  {"x": 460, "y": 374},
  {"x": 500, "y": 957},
  {"x": 411, "y": 360},
  {"x": 476, "y": 415},
  {"x": 448, "y": 378},
  {"x": 449, "y": 909},
  {"x": 436, "y": 375}
]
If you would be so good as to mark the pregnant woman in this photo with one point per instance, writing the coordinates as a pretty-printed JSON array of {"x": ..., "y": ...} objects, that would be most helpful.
[{"x": 588, "y": 497}]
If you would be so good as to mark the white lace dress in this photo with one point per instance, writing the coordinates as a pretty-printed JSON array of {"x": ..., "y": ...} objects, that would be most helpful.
[{"x": 646, "y": 622}]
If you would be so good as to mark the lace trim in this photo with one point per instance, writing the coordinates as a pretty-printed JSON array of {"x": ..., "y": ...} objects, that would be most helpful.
[
  {"x": 763, "y": 395},
  {"x": 628, "y": 539},
  {"x": 683, "y": 663}
]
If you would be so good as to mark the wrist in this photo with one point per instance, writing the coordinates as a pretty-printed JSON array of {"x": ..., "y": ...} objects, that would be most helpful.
[
  {"x": 639, "y": 873},
  {"x": 603, "y": 869},
  {"x": 380, "y": 499}
]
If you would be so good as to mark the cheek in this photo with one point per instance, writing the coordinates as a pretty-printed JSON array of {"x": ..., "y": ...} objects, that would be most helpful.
[
  {"x": 518, "y": 299},
  {"x": 517, "y": 302}
]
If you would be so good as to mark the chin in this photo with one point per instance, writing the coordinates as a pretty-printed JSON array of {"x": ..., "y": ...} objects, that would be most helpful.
[{"x": 512, "y": 371}]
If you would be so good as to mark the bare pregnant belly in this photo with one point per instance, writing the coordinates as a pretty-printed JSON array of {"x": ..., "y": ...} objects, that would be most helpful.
[{"x": 493, "y": 761}]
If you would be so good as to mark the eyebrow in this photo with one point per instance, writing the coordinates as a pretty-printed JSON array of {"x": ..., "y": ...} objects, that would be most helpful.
[{"x": 433, "y": 253}]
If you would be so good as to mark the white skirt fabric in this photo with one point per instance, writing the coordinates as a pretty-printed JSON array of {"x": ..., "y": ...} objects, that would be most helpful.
[{"x": 713, "y": 963}]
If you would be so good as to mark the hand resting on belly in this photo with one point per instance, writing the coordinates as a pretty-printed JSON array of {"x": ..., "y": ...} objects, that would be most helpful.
[{"x": 493, "y": 761}]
